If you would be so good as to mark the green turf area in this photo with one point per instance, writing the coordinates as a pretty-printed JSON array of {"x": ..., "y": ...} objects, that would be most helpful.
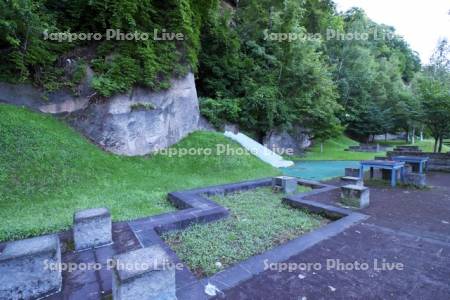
[
  {"x": 258, "y": 221},
  {"x": 334, "y": 149},
  {"x": 48, "y": 171},
  {"x": 426, "y": 145}
]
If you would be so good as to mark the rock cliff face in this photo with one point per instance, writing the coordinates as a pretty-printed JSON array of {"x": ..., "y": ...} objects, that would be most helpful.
[
  {"x": 142, "y": 121},
  {"x": 137, "y": 123},
  {"x": 296, "y": 139}
]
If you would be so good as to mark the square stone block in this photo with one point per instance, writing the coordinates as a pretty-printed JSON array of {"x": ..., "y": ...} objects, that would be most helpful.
[
  {"x": 352, "y": 180},
  {"x": 351, "y": 172},
  {"x": 286, "y": 184},
  {"x": 29, "y": 269},
  {"x": 92, "y": 228},
  {"x": 355, "y": 195},
  {"x": 415, "y": 179},
  {"x": 151, "y": 277}
]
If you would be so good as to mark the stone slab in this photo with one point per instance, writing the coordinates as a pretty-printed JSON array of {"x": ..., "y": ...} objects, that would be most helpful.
[
  {"x": 92, "y": 228},
  {"x": 144, "y": 274},
  {"x": 29, "y": 269}
]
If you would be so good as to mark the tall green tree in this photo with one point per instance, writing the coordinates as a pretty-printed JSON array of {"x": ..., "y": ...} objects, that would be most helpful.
[{"x": 433, "y": 89}]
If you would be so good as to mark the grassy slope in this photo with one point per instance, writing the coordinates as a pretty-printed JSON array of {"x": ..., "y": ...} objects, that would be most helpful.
[{"x": 47, "y": 171}]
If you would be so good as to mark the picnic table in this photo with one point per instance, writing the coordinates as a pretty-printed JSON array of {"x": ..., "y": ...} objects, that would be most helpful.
[
  {"x": 413, "y": 160},
  {"x": 394, "y": 166}
]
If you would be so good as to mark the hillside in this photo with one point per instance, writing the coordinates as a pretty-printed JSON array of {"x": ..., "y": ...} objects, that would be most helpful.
[{"x": 47, "y": 171}]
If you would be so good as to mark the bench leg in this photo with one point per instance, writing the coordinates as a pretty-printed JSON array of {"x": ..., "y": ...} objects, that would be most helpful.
[
  {"x": 420, "y": 167},
  {"x": 361, "y": 173},
  {"x": 371, "y": 172}
]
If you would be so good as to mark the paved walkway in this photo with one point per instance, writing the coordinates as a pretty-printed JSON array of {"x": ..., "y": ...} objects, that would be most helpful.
[{"x": 406, "y": 226}]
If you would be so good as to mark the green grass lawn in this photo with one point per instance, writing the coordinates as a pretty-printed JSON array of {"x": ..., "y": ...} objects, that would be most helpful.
[
  {"x": 334, "y": 149},
  {"x": 48, "y": 171},
  {"x": 258, "y": 221},
  {"x": 426, "y": 145}
]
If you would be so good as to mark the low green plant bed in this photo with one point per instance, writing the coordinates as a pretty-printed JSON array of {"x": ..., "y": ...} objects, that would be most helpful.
[{"x": 258, "y": 221}]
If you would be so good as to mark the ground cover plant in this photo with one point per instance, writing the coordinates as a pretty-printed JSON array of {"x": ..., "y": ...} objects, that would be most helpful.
[
  {"x": 258, "y": 221},
  {"x": 48, "y": 170}
]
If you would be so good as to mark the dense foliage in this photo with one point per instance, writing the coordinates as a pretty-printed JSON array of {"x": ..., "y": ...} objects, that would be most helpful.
[
  {"x": 340, "y": 71},
  {"x": 432, "y": 89},
  {"x": 325, "y": 81},
  {"x": 27, "y": 55}
]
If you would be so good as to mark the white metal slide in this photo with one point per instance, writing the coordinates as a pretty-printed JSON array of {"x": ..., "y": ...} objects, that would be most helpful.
[{"x": 260, "y": 151}]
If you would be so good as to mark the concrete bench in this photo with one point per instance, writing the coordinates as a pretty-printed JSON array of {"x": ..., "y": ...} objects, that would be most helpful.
[
  {"x": 352, "y": 172},
  {"x": 415, "y": 179},
  {"x": 151, "y": 277},
  {"x": 286, "y": 184},
  {"x": 30, "y": 269},
  {"x": 352, "y": 180},
  {"x": 355, "y": 195},
  {"x": 92, "y": 228}
]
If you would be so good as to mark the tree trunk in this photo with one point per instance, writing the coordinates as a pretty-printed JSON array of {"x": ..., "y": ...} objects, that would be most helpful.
[
  {"x": 421, "y": 134},
  {"x": 436, "y": 139},
  {"x": 321, "y": 147},
  {"x": 441, "y": 140},
  {"x": 414, "y": 135}
]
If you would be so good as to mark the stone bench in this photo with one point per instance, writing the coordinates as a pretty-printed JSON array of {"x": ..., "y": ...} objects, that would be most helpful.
[
  {"x": 355, "y": 195},
  {"x": 352, "y": 172},
  {"x": 415, "y": 179},
  {"x": 352, "y": 180},
  {"x": 30, "y": 269},
  {"x": 92, "y": 228},
  {"x": 152, "y": 278},
  {"x": 286, "y": 184}
]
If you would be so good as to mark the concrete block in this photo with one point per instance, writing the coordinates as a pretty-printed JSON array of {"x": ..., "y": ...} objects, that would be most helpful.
[
  {"x": 286, "y": 184},
  {"x": 415, "y": 179},
  {"x": 352, "y": 180},
  {"x": 29, "y": 269},
  {"x": 92, "y": 228},
  {"x": 351, "y": 172},
  {"x": 355, "y": 195},
  {"x": 152, "y": 276}
]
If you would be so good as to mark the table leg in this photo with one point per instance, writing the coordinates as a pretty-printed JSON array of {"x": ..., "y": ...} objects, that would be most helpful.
[
  {"x": 393, "y": 177},
  {"x": 361, "y": 172},
  {"x": 402, "y": 174},
  {"x": 420, "y": 167},
  {"x": 371, "y": 172}
]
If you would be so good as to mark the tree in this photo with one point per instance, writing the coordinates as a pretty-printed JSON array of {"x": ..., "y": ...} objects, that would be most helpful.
[{"x": 433, "y": 89}]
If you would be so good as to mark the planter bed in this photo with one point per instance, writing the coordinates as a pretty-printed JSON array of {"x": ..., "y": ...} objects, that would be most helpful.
[{"x": 258, "y": 221}]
